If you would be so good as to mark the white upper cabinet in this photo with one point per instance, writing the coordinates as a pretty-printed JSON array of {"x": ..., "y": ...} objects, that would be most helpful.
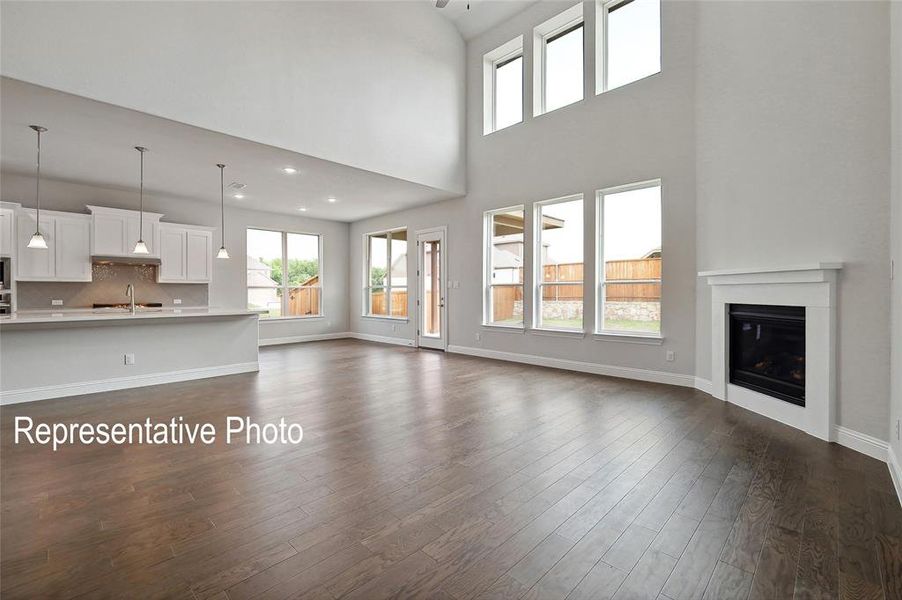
[
  {"x": 186, "y": 254},
  {"x": 7, "y": 231},
  {"x": 115, "y": 231},
  {"x": 68, "y": 253}
]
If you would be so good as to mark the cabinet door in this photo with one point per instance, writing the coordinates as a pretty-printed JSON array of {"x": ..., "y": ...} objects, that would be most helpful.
[
  {"x": 149, "y": 236},
  {"x": 173, "y": 244},
  {"x": 7, "y": 233},
  {"x": 34, "y": 264},
  {"x": 200, "y": 256},
  {"x": 73, "y": 249},
  {"x": 110, "y": 235}
]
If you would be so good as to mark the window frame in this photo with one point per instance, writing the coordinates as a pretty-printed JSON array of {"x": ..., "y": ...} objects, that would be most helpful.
[
  {"x": 488, "y": 267},
  {"x": 538, "y": 267},
  {"x": 600, "y": 279},
  {"x": 498, "y": 57},
  {"x": 553, "y": 28},
  {"x": 602, "y": 9},
  {"x": 367, "y": 309},
  {"x": 285, "y": 288}
]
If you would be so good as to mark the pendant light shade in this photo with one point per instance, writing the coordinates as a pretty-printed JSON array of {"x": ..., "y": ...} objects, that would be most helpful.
[
  {"x": 140, "y": 246},
  {"x": 223, "y": 253},
  {"x": 37, "y": 240}
]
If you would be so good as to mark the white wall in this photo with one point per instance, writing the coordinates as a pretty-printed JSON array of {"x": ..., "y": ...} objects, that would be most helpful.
[
  {"x": 793, "y": 115},
  {"x": 228, "y": 289},
  {"x": 896, "y": 228},
  {"x": 638, "y": 132},
  {"x": 375, "y": 85}
]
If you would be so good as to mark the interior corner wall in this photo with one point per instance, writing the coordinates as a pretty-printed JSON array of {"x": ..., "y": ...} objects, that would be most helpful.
[
  {"x": 638, "y": 132},
  {"x": 895, "y": 436},
  {"x": 374, "y": 85},
  {"x": 793, "y": 121},
  {"x": 228, "y": 289}
]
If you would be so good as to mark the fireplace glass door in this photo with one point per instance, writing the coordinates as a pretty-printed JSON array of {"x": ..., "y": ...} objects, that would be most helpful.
[{"x": 767, "y": 350}]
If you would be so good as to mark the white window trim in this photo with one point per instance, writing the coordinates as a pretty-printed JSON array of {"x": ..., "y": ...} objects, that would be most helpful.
[
  {"x": 613, "y": 334},
  {"x": 602, "y": 8},
  {"x": 487, "y": 267},
  {"x": 388, "y": 285},
  {"x": 504, "y": 53},
  {"x": 571, "y": 17},
  {"x": 537, "y": 271},
  {"x": 285, "y": 287}
]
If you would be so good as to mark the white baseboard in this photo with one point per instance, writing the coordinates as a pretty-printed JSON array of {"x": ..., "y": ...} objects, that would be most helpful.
[
  {"x": 861, "y": 442},
  {"x": 382, "y": 339},
  {"x": 121, "y": 383},
  {"x": 297, "y": 339},
  {"x": 582, "y": 367},
  {"x": 895, "y": 471},
  {"x": 703, "y": 385}
]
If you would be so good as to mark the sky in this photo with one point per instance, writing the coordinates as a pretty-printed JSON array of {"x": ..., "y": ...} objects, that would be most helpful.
[{"x": 268, "y": 245}]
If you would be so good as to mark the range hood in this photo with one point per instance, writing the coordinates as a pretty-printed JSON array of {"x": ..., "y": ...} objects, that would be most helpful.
[{"x": 125, "y": 260}]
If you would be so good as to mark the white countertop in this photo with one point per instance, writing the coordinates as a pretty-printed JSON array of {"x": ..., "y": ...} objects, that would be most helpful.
[{"x": 121, "y": 316}]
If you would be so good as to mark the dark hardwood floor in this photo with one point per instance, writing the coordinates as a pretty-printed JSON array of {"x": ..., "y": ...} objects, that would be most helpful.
[{"x": 446, "y": 477}]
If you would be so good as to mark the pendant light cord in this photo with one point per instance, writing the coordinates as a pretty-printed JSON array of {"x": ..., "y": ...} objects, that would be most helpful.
[
  {"x": 222, "y": 203},
  {"x": 37, "y": 187},
  {"x": 141, "y": 215}
]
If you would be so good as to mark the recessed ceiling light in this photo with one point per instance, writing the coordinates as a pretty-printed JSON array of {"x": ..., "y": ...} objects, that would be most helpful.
[
  {"x": 332, "y": 199},
  {"x": 289, "y": 170},
  {"x": 303, "y": 209},
  {"x": 238, "y": 196}
]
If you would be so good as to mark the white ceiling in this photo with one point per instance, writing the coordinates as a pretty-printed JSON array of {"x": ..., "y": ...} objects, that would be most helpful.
[
  {"x": 482, "y": 15},
  {"x": 92, "y": 143}
]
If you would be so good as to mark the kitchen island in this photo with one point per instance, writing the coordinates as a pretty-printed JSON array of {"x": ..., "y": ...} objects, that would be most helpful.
[{"x": 52, "y": 354}]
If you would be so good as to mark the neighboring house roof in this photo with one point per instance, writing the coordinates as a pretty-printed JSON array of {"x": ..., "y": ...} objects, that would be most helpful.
[{"x": 258, "y": 273}]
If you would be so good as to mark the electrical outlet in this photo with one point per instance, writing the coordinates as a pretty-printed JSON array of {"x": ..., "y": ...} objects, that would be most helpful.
[
  {"x": 56, "y": 303},
  {"x": 176, "y": 300},
  {"x": 456, "y": 284},
  {"x": 129, "y": 359},
  {"x": 478, "y": 336},
  {"x": 394, "y": 328},
  {"x": 670, "y": 356}
]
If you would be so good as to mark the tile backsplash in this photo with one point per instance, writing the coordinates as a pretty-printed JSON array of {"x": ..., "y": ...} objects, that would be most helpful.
[{"x": 108, "y": 287}]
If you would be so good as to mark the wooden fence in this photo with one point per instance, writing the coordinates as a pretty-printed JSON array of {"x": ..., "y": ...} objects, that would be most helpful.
[
  {"x": 303, "y": 301},
  {"x": 636, "y": 280},
  {"x": 398, "y": 303}
]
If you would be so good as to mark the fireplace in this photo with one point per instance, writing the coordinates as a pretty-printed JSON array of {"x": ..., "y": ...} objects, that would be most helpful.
[{"x": 767, "y": 350}]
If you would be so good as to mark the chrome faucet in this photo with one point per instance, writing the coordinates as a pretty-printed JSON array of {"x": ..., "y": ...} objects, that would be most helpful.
[{"x": 130, "y": 292}]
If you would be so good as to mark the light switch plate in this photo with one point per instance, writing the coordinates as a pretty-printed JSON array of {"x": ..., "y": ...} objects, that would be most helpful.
[
  {"x": 56, "y": 303},
  {"x": 176, "y": 300}
]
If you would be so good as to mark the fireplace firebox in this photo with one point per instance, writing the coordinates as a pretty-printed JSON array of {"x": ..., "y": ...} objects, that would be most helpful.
[{"x": 767, "y": 350}]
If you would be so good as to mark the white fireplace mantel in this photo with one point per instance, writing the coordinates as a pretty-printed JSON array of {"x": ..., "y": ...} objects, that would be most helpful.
[{"x": 812, "y": 286}]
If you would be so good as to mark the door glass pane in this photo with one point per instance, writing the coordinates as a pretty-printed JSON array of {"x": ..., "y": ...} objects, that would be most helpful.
[
  {"x": 432, "y": 289},
  {"x": 506, "y": 273},
  {"x": 633, "y": 41},
  {"x": 632, "y": 260},
  {"x": 564, "y": 69},
  {"x": 561, "y": 252},
  {"x": 509, "y": 93}
]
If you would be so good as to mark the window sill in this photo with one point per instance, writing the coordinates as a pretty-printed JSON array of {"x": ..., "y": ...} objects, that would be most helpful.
[
  {"x": 273, "y": 319},
  {"x": 378, "y": 318},
  {"x": 650, "y": 339},
  {"x": 565, "y": 333},
  {"x": 504, "y": 328}
]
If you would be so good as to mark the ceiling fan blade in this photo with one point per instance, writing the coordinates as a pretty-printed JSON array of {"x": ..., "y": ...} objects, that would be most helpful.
[{"x": 441, "y": 3}]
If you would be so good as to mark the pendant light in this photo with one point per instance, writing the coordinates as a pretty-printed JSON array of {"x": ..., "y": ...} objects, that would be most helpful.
[
  {"x": 223, "y": 253},
  {"x": 141, "y": 247},
  {"x": 37, "y": 241}
]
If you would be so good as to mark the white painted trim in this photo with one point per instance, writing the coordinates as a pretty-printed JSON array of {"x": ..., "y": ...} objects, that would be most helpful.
[
  {"x": 296, "y": 339},
  {"x": 121, "y": 383},
  {"x": 382, "y": 339},
  {"x": 895, "y": 471},
  {"x": 582, "y": 367},
  {"x": 703, "y": 385},
  {"x": 861, "y": 442}
]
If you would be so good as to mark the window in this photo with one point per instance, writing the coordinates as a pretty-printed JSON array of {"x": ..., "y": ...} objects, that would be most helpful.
[
  {"x": 629, "y": 44},
  {"x": 559, "y": 61},
  {"x": 559, "y": 260},
  {"x": 630, "y": 255},
  {"x": 503, "y": 85},
  {"x": 284, "y": 274},
  {"x": 386, "y": 274},
  {"x": 503, "y": 301}
]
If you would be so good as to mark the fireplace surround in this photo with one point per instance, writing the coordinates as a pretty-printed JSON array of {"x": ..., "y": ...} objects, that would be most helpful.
[{"x": 809, "y": 290}]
